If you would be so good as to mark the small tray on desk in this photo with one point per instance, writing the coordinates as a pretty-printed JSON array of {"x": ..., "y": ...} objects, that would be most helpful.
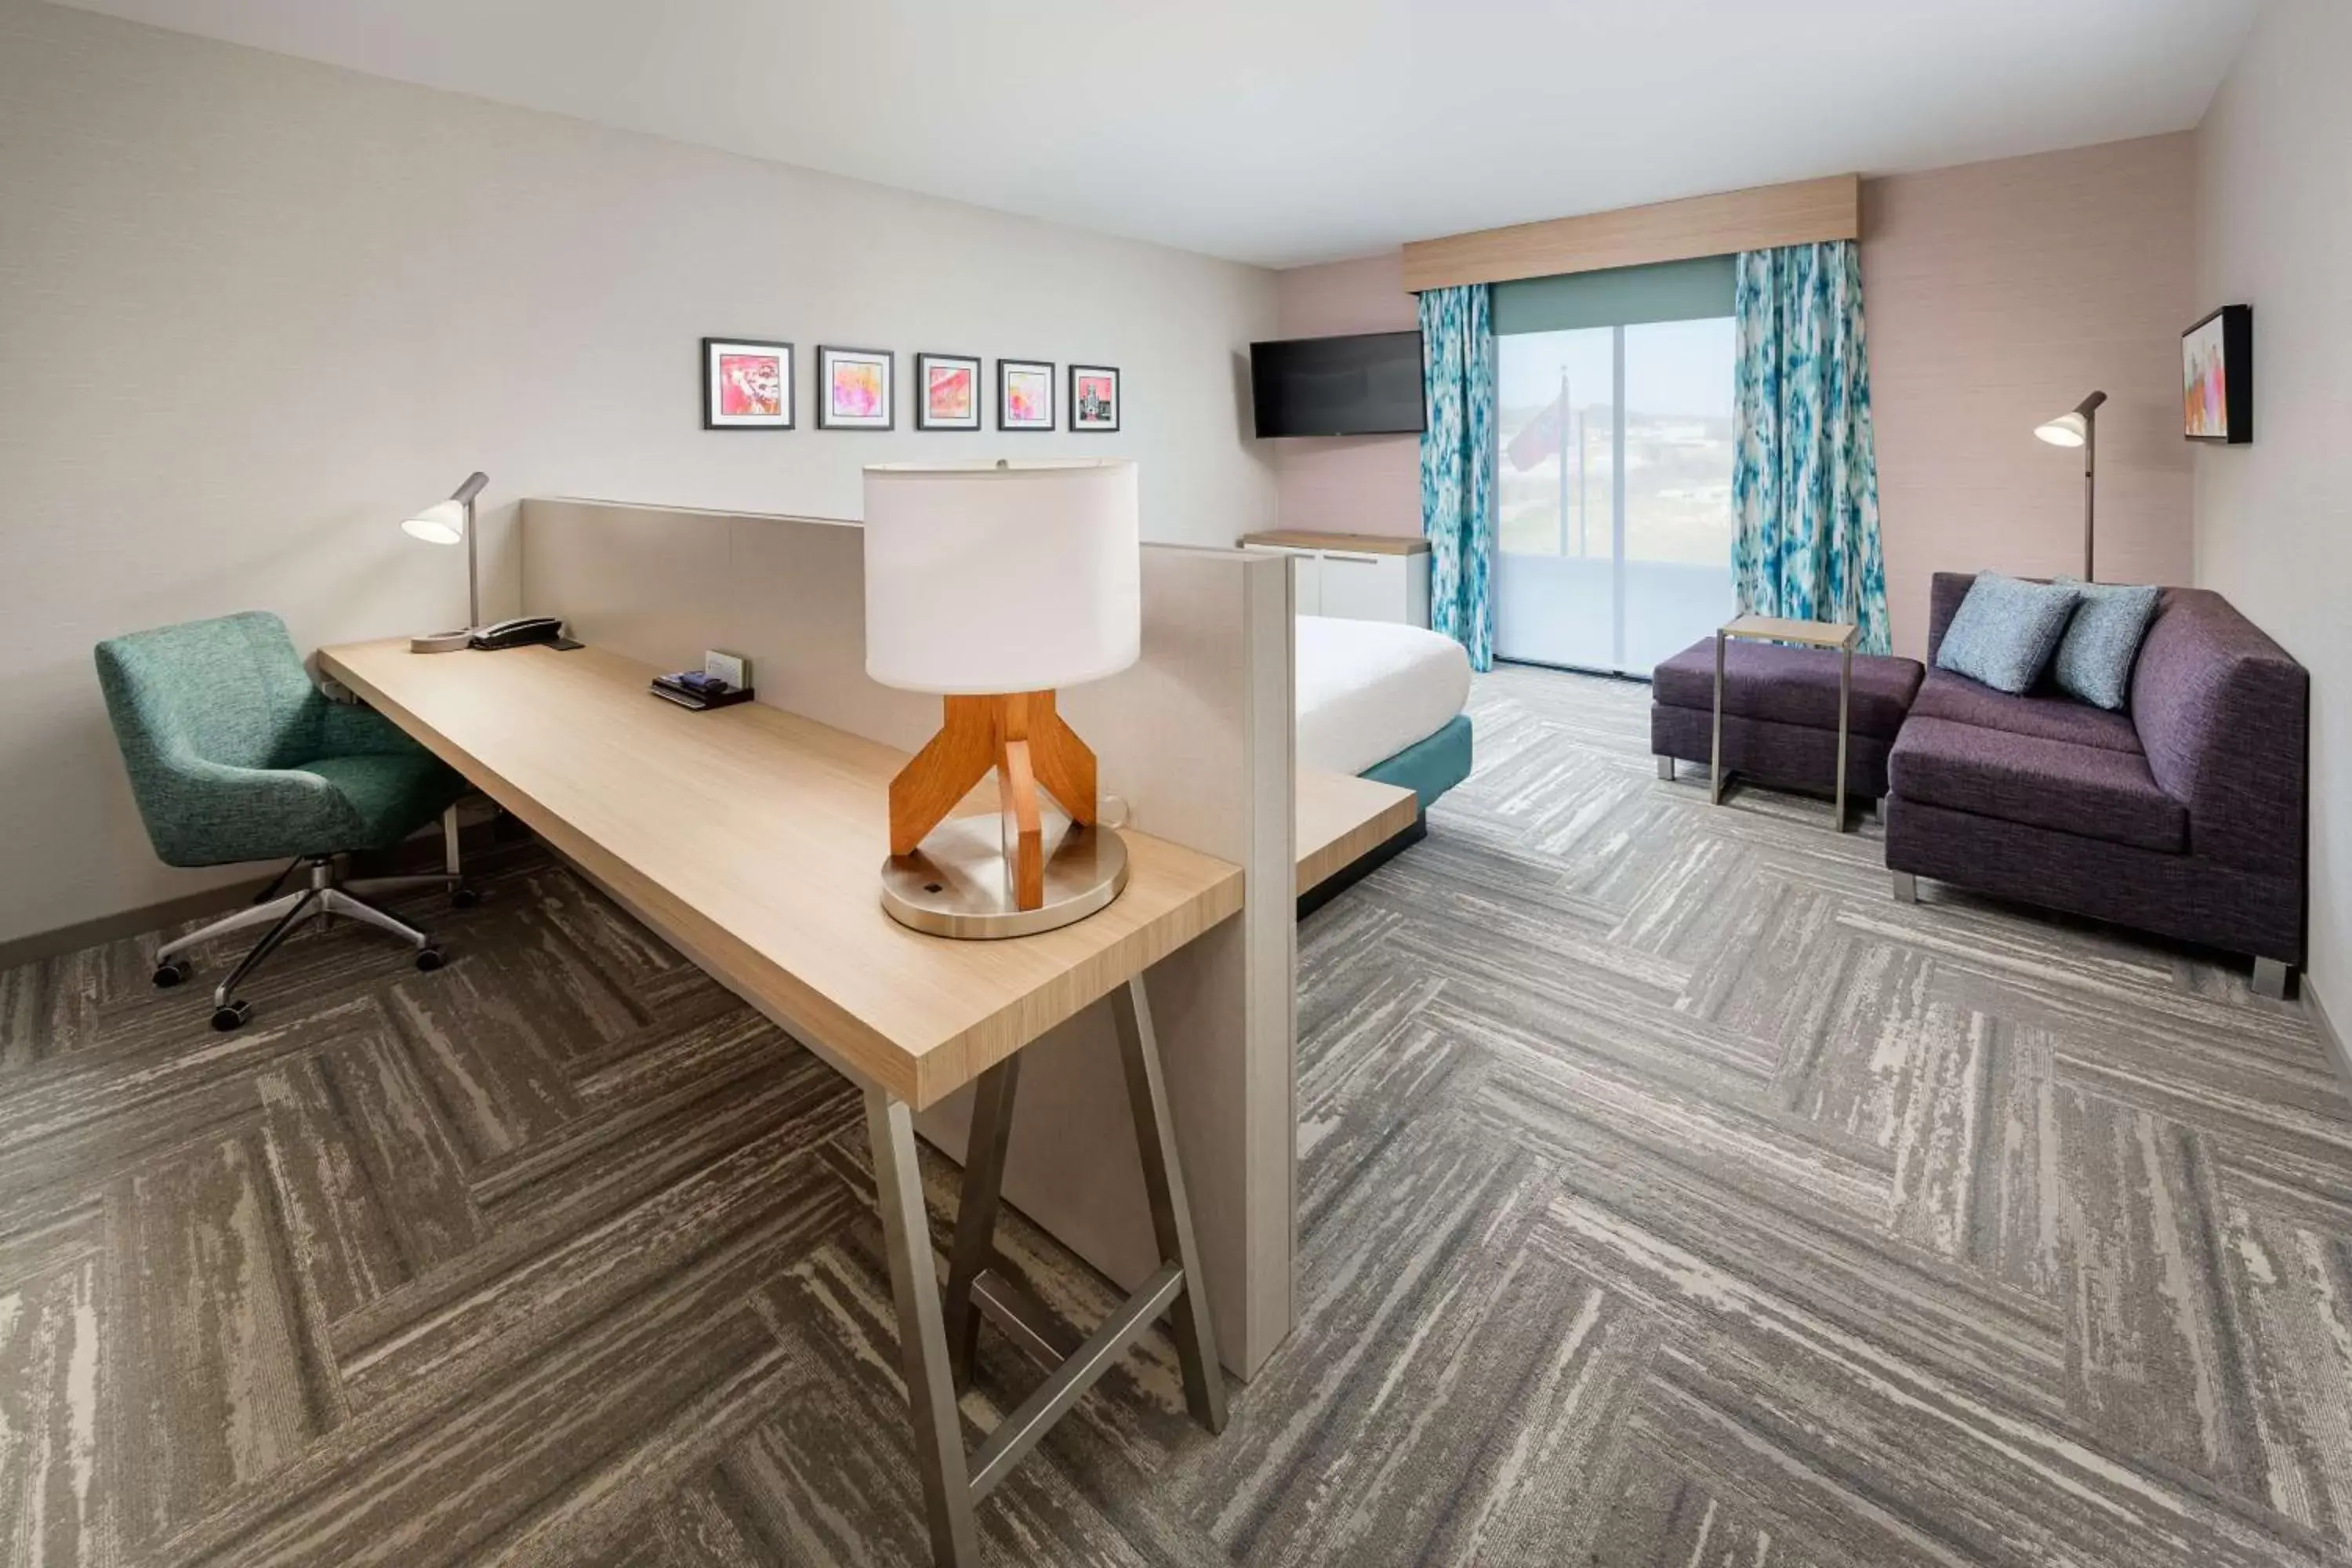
[{"x": 686, "y": 697}]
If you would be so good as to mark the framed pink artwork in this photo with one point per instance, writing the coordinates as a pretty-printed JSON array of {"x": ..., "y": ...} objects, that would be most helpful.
[
  {"x": 747, "y": 384},
  {"x": 947, "y": 392},
  {"x": 1025, "y": 394},
  {"x": 853, "y": 388},
  {"x": 1094, "y": 397}
]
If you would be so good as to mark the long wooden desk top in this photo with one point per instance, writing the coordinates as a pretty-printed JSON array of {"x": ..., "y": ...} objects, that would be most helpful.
[{"x": 753, "y": 838}]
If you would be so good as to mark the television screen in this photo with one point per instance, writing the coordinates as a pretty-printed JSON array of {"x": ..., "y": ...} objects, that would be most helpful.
[{"x": 1366, "y": 385}]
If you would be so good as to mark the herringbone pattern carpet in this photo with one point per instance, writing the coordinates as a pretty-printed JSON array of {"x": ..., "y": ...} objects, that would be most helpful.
[{"x": 1668, "y": 1196}]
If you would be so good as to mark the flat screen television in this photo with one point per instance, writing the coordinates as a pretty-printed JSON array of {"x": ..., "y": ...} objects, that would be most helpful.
[{"x": 1364, "y": 386}]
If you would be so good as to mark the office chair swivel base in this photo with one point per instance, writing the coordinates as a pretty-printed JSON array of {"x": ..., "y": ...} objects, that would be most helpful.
[{"x": 323, "y": 899}]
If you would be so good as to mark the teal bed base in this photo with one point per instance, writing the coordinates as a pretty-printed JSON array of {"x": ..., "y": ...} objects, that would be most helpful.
[{"x": 1430, "y": 766}]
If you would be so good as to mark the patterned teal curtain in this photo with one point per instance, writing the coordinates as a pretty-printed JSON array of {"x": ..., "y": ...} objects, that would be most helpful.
[
  {"x": 1804, "y": 484},
  {"x": 1457, "y": 464}
]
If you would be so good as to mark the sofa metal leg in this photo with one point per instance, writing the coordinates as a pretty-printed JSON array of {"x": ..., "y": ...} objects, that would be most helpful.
[
  {"x": 1907, "y": 888},
  {"x": 2270, "y": 978},
  {"x": 1667, "y": 768}
]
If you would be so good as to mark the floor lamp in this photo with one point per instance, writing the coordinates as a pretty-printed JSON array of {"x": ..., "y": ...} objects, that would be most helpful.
[{"x": 2080, "y": 427}]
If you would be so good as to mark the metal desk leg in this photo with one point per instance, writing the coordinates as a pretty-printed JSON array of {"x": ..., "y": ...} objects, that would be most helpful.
[
  {"x": 938, "y": 1348},
  {"x": 976, "y": 1209},
  {"x": 1171, "y": 1212},
  {"x": 922, "y": 1342},
  {"x": 1714, "y": 749},
  {"x": 1845, "y": 698}
]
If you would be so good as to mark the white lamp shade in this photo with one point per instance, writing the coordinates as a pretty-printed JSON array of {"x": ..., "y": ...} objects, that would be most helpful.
[
  {"x": 2066, "y": 431},
  {"x": 443, "y": 522},
  {"x": 985, "y": 578}
]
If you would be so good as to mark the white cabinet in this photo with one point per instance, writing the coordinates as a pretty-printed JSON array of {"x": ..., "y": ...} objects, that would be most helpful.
[{"x": 1362, "y": 577}]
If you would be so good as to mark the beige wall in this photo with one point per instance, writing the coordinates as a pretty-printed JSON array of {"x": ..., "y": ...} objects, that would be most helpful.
[
  {"x": 253, "y": 310},
  {"x": 2273, "y": 520},
  {"x": 1350, "y": 484},
  {"x": 1998, "y": 294}
]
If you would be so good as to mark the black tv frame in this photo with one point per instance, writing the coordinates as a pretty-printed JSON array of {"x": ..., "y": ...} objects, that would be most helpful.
[{"x": 1257, "y": 413}]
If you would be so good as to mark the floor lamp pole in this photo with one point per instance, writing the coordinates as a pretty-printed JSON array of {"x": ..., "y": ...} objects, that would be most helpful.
[
  {"x": 2079, "y": 426},
  {"x": 2090, "y": 493}
]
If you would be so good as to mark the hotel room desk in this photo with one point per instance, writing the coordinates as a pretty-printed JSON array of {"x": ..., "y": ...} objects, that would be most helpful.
[{"x": 752, "y": 838}]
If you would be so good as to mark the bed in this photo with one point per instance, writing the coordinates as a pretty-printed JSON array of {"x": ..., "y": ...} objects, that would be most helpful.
[{"x": 1384, "y": 702}]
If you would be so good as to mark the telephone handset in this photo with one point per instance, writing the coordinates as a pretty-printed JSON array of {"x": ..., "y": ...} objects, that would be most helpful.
[{"x": 521, "y": 632}]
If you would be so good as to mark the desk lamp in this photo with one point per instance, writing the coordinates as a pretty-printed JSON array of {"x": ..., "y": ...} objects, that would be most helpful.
[
  {"x": 992, "y": 584},
  {"x": 446, "y": 522},
  {"x": 2080, "y": 427}
]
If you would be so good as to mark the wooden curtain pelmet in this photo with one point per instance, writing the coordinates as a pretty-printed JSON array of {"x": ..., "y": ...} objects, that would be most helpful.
[{"x": 1803, "y": 213}]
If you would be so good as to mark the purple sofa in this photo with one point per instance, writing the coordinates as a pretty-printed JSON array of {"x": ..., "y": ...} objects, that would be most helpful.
[{"x": 2183, "y": 816}]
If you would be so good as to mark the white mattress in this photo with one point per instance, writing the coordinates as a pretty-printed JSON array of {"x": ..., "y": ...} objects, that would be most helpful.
[{"x": 1367, "y": 689}]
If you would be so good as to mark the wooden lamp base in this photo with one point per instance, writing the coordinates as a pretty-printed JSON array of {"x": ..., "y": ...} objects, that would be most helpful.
[{"x": 1024, "y": 739}]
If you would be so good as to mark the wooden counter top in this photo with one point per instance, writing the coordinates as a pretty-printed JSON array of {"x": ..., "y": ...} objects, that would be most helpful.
[
  {"x": 753, "y": 838},
  {"x": 1363, "y": 543}
]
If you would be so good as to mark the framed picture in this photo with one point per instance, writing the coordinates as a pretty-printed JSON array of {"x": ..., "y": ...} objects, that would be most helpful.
[
  {"x": 853, "y": 388},
  {"x": 947, "y": 392},
  {"x": 1094, "y": 397},
  {"x": 746, "y": 384},
  {"x": 1025, "y": 394},
  {"x": 2217, "y": 377}
]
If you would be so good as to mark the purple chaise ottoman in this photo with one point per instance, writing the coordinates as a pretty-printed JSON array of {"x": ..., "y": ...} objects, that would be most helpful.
[{"x": 1780, "y": 713}]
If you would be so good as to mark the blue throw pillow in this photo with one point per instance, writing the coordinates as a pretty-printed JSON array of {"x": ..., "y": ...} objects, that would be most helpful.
[
  {"x": 2006, "y": 631},
  {"x": 2095, "y": 660}
]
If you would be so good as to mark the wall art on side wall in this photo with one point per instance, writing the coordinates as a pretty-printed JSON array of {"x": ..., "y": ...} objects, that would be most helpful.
[
  {"x": 947, "y": 392},
  {"x": 2217, "y": 377},
  {"x": 853, "y": 388},
  {"x": 746, "y": 384},
  {"x": 1025, "y": 394},
  {"x": 1094, "y": 397}
]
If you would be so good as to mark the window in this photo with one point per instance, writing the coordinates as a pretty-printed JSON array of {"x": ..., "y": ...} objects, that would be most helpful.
[{"x": 1614, "y": 414}]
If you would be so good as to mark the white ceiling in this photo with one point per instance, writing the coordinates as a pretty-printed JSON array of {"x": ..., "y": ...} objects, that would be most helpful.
[{"x": 1293, "y": 131}]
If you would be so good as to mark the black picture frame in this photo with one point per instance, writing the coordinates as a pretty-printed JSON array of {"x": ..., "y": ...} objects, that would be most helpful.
[
  {"x": 979, "y": 368},
  {"x": 826, "y": 418},
  {"x": 706, "y": 368},
  {"x": 1075, "y": 415},
  {"x": 1005, "y": 368},
  {"x": 2237, "y": 324}
]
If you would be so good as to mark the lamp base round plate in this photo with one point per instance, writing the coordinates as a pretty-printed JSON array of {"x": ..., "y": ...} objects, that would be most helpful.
[
  {"x": 960, "y": 884},
  {"x": 440, "y": 642}
]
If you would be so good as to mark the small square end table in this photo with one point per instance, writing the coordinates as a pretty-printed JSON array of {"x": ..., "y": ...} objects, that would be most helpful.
[{"x": 1836, "y": 635}]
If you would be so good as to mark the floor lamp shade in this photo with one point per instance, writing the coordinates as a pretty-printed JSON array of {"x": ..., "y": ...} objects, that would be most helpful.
[{"x": 987, "y": 578}]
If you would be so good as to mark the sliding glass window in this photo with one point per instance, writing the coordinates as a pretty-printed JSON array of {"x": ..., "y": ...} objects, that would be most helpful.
[{"x": 1614, "y": 393}]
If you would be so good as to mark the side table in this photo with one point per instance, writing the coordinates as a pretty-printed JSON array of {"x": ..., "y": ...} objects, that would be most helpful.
[{"x": 1838, "y": 634}]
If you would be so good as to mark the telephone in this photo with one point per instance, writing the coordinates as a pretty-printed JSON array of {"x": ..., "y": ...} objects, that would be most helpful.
[{"x": 521, "y": 632}]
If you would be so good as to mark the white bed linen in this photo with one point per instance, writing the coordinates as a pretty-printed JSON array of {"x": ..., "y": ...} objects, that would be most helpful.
[{"x": 1367, "y": 689}]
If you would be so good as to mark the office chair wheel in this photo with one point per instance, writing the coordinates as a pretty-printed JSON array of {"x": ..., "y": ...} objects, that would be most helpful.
[
  {"x": 232, "y": 1016},
  {"x": 428, "y": 958},
  {"x": 171, "y": 972},
  {"x": 464, "y": 898}
]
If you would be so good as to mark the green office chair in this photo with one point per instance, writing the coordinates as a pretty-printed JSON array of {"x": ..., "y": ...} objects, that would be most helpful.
[{"x": 234, "y": 755}]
